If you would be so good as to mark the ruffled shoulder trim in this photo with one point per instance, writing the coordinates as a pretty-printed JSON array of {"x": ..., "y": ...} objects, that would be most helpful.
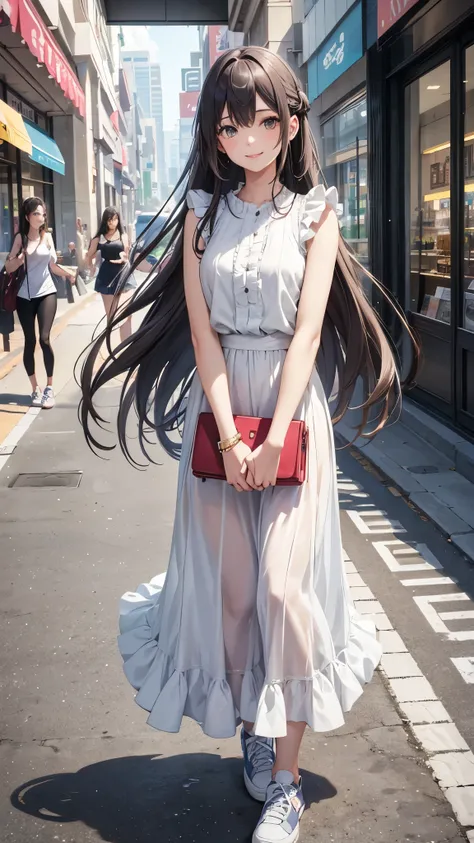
[
  {"x": 198, "y": 201},
  {"x": 315, "y": 202}
]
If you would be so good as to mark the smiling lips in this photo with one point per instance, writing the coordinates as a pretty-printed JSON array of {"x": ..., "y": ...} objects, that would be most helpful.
[{"x": 256, "y": 155}]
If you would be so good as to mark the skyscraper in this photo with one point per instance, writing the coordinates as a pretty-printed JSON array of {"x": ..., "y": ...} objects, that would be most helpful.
[
  {"x": 157, "y": 114},
  {"x": 138, "y": 69}
]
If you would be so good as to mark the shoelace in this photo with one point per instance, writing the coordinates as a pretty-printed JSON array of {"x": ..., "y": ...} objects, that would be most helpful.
[
  {"x": 260, "y": 754},
  {"x": 277, "y": 806}
]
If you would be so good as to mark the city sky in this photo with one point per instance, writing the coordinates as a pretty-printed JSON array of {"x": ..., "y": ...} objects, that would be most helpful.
[{"x": 170, "y": 46}]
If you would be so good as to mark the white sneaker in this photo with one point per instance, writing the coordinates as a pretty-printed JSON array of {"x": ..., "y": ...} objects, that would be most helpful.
[
  {"x": 283, "y": 809},
  {"x": 37, "y": 397},
  {"x": 48, "y": 400},
  {"x": 259, "y": 758}
]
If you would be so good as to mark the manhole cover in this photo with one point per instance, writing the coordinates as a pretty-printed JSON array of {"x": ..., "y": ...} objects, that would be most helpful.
[
  {"x": 48, "y": 480},
  {"x": 423, "y": 469}
]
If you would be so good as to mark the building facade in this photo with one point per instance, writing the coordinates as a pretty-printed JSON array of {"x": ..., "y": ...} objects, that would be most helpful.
[{"x": 421, "y": 136}]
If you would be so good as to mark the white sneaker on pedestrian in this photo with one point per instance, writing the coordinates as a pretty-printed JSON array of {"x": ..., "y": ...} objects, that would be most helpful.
[
  {"x": 37, "y": 397},
  {"x": 283, "y": 809},
  {"x": 259, "y": 758},
  {"x": 48, "y": 400}
]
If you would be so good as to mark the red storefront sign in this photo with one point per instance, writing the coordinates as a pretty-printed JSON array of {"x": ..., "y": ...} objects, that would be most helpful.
[
  {"x": 188, "y": 101},
  {"x": 390, "y": 11},
  {"x": 43, "y": 46}
]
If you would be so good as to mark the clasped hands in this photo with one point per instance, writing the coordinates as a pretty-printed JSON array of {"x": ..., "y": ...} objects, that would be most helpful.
[{"x": 247, "y": 470}]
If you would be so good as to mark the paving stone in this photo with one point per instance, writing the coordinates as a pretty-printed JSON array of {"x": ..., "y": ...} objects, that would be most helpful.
[
  {"x": 391, "y": 641},
  {"x": 462, "y": 801},
  {"x": 381, "y": 621},
  {"x": 399, "y": 665},
  {"x": 470, "y": 836},
  {"x": 362, "y": 593},
  {"x": 465, "y": 543},
  {"x": 440, "y": 513},
  {"x": 454, "y": 769},
  {"x": 355, "y": 581},
  {"x": 414, "y": 689},
  {"x": 440, "y": 737},
  {"x": 430, "y": 711},
  {"x": 368, "y": 607}
]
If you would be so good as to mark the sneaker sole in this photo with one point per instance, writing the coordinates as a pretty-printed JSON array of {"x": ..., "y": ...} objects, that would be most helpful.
[
  {"x": 254, "y": 792},
  {"x": 291, "y": 839}
]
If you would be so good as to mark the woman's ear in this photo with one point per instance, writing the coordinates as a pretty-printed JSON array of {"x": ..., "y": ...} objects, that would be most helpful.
[{"x": 294, "y": 125}]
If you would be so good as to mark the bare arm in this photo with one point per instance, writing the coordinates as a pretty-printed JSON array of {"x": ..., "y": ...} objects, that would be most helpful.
[
  {"x": 13, "y": 262},
  {"x": 299, "y": 362},
  {"x": 210, "y": 359},
  {"x": 54, "y": 266},
  {"x": 92, "y": 252},
  {"x": 301, "y": 355}
]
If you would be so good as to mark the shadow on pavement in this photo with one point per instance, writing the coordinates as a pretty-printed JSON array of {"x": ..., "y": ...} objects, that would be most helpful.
[
  {"x": 14, "y": 399},
  {"x": 139, "y": 799}
]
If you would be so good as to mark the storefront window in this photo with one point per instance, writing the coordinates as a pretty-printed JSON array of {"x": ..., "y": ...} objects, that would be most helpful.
[
  {"x": 6, "y": 232},
  {"x": 468, "y": 303},
  {"x": 428, "y": 156},
  {"x": 344, "y": 163}
]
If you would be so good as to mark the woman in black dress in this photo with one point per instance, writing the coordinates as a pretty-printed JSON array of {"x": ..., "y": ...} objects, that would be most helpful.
[{"x": 112, "y": 243}]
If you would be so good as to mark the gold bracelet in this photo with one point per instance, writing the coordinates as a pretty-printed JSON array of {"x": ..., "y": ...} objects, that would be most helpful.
[{"x": 227, "y": 444}]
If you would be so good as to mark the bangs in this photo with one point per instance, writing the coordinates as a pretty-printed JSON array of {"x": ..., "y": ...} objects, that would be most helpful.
[{"x": 237, "y": 87}]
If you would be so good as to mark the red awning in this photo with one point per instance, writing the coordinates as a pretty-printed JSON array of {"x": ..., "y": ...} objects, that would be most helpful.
[{"x": 43, "y": 46}]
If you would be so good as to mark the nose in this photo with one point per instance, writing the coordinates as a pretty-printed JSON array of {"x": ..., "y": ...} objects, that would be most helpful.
[{"x": 250, "y": 140}]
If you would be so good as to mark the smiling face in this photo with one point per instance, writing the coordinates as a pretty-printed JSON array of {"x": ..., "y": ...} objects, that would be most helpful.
[{"x": 254, "y": 147}]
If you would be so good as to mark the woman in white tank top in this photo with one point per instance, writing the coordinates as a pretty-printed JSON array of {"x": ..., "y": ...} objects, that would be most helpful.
[{"x": 37, "y": 298}]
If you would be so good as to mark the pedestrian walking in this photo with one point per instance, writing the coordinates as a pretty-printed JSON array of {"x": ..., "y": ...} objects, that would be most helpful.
[
  {"x": 33, "y": 248},
  {"x": 254, "y": 623},
  {"x": 112, "y": 242}
]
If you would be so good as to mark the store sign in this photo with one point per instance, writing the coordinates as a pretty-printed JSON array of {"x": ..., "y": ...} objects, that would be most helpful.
[
  {"x": 191, "y": 78},
  {"x": 339, "y": 52},
  {"x": 43, "y": 46},
  {"x": 218, "y": 41},
  {"x": 390, "y": 11},
  {"x": 188, "y": 103},
  {"x": 20, "y": 106}
]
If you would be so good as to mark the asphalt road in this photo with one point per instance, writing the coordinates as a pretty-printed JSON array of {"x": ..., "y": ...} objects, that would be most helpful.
[{"x": 79, "y": 763}]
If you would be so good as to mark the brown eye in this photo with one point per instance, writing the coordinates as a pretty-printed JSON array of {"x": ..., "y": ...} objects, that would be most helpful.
[
  {"x": 228, "y": 131},
  {"x": 271, "y": 122}
]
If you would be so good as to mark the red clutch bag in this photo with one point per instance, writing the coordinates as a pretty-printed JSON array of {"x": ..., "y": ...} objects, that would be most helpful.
[{"x": 207, "y": 460}]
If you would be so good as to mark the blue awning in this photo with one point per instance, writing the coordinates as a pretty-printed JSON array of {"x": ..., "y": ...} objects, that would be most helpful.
[{"x": 45, "y": 149}]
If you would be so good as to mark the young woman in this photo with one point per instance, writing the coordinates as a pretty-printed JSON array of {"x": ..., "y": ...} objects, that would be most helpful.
[
  {"x": 254, "y": 623},
  {"x": 112, "y": 243},
  {"x": 37, "y": 298}
]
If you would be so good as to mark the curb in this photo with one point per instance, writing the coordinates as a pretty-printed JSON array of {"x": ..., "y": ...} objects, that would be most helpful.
[
  {"x": 457, "y": 531},
  {"x": 13, "y": 357}
]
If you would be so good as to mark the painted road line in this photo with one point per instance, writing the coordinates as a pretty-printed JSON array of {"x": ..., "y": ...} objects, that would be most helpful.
[
  {"x": 448, "y": 754},
  {"x": 18, "y": 431},
  {"x": 465, "y": 666},
  {"x": 425, "y": 604},
  {"x": 419, "y": 581},
  {"x": 381, "y": 524}
]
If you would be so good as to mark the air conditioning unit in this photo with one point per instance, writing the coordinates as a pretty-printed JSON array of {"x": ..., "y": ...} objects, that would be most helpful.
[{"x": 298, "y": 37}]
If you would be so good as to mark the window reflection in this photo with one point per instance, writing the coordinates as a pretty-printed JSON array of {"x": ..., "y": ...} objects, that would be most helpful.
[
  {"x": 468, "y": 302},
  {"x": 428, "y": 156},
  {"x": 344, "y": 148}
]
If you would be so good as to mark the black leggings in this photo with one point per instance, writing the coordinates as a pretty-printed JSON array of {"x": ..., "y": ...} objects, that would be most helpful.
[{"x": 43, "y": 308}]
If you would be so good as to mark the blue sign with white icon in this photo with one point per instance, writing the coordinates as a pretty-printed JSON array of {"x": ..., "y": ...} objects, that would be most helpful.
[{"x": 338, "y": 52}]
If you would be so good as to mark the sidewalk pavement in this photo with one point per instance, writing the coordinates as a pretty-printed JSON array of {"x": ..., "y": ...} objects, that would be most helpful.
[
  {"x": 80, "y": 765},
  {"x": 432, "y": 465},
  {"x": 15, "y": 403}
]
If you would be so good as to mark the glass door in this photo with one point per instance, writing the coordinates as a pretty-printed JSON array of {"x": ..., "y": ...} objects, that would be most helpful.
[
  {"x": 465, "y": 335},
  {"x": 428, "y": 227}
]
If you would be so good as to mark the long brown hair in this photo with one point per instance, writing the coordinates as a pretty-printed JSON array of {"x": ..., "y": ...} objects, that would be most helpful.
[{"x": 158, "y": 359}]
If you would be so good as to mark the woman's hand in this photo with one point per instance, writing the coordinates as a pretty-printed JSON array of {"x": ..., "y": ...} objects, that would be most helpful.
[
  {"x": 122, "y": 259},
  {"x": 236, "y": 467},
  {"x": 262, "y": 464}
]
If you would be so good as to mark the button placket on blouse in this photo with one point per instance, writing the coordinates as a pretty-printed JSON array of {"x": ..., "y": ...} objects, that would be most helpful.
[{"x": 246, "y": 280}]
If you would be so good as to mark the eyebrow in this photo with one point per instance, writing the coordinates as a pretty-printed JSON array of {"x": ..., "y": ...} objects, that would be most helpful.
[{"x": 258, "y": 111}]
